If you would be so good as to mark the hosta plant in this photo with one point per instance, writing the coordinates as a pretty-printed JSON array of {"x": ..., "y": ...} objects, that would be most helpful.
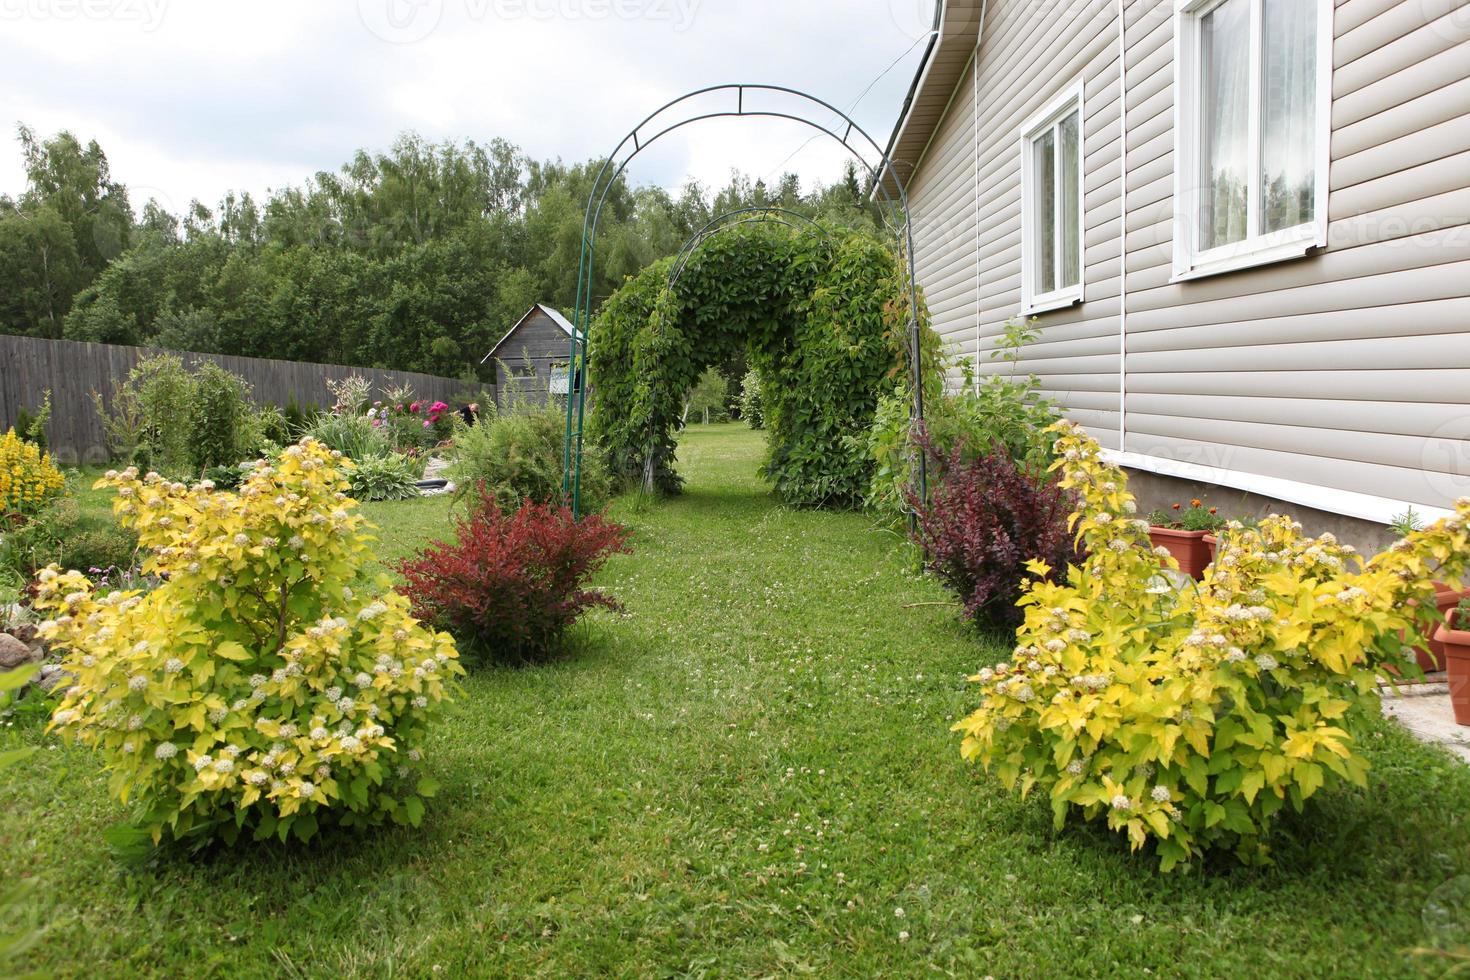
[
  {"x": 1190, "y": 716},
  {"x": 391, "y": 477},
  {"x": 264, "y": 687}
]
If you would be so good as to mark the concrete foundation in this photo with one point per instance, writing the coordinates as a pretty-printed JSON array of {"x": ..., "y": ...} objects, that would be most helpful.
[{"x": 1156, "y": 492}]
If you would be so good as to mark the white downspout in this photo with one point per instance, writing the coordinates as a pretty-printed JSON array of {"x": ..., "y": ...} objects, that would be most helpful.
[
  {"x": 1122, "y": 227},
  {"x": 975, "y": 208}
]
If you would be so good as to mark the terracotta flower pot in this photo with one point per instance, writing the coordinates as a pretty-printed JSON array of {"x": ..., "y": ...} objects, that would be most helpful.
[
  {"x": 1187, "y": 547},
  {"x": 1213, "y": 543},
  {"x": 1456, "y": 643},
  {"x": 1445, "y": 599}
]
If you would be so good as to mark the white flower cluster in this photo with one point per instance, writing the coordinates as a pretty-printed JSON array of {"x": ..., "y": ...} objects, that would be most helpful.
[
  {"x": 1092, "y": 682},
  {"x": 371, "y": 612}
]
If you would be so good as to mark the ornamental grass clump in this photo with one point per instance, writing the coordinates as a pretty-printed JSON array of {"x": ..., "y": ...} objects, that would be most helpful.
[
  {"x": 264, "y": 688},
  {"x": 1190, "y": 717}
]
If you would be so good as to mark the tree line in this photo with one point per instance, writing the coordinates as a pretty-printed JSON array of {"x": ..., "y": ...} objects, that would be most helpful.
[{"x": 418, "y": 258}]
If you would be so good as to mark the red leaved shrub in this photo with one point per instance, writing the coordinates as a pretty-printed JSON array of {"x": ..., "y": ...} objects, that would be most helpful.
[
  {"x": 512, "y": 582},
  {"x": 986, "y": 517}
]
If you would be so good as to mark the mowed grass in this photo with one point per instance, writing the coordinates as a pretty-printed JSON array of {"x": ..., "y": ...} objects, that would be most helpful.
[{"x": 748, "y": 773}]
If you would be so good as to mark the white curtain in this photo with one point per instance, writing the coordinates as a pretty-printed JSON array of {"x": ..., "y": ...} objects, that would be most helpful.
[
  {"x": 1225, "y": 122},
  {"x": 1069, "y": 150},
  {"x": 1288, "y": 112},
  {"x": 1044, "y": 157}
]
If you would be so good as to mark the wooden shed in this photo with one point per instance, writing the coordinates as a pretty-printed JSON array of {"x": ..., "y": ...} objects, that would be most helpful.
[{"x": 531, "y": 359}]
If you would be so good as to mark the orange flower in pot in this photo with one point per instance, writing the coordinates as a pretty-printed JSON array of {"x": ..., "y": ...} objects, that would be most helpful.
[{"x": 1183, "y": 531}]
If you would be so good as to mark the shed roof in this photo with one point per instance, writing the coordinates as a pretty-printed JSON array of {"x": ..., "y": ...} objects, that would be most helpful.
[{"x": 555, "y": 317}]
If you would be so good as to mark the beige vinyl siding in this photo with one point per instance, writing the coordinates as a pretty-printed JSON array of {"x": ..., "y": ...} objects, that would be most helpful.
[
  {"x": 942, "y": 205},
  {"x": 1350, "y": 368},
  {"x": 1026, "y": 61}
]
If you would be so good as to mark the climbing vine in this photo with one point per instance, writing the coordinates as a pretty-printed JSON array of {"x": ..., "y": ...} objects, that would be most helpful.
[{"x": 823, "y": 317}]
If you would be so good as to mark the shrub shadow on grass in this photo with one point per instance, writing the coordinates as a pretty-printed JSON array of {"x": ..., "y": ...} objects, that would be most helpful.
[{"x": 1346, "y": 835}]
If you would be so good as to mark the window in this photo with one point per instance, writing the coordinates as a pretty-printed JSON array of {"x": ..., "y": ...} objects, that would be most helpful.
[
  {"x": 1051, "y": 206},
  {"x": 1254, "y": 84}
]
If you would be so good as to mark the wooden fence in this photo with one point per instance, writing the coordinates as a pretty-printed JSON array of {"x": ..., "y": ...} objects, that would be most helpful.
[{"x": 71, "y": 371}]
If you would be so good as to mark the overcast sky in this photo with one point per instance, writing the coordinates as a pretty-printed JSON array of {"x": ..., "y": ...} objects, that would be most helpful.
[{"x": 190, "y": 98}]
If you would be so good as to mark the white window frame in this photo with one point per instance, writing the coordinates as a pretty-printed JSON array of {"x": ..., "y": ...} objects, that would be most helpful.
[
  {"x": 1031, "y": 301},
  {"x": 1256, "y": 248}
]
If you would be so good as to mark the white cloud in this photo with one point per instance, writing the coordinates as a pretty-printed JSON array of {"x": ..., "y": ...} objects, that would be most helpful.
[{"x": 196, "y": 97}]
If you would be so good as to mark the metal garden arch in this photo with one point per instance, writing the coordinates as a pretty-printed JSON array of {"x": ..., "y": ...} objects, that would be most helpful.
[{"x": 633, "y": 144}]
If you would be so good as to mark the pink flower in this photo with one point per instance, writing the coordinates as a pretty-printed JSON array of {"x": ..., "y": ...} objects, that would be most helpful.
[
  {"x": 438, "y": 407},
  {"x": 414, "y": 408},
  {"x": 377, "y": 423},
  {"x": 428, "y": 424}
]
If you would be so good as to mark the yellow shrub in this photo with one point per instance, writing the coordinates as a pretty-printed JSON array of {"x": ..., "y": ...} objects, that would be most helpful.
[
  {"x": 263, "y": 687},
  {"x": 1191, "y": 717},
  {"x": 28, "y": 478}
]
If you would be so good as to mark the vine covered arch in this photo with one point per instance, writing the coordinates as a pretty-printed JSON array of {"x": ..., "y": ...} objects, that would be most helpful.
[
  {"x": 684, "y": 111},
  {"x": 737, "y": 218},
  {"x": 819, "y": 316}
]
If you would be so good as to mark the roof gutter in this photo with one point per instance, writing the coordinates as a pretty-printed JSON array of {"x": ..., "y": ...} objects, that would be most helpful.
[{"x": 908, "y": 100}]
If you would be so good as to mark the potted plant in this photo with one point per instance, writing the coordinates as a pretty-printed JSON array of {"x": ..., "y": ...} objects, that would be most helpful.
[
  {"x": 1182, "y": 531},
  {"x": 1454, "y": 638},
  {"x": 1447, "y": 596}
]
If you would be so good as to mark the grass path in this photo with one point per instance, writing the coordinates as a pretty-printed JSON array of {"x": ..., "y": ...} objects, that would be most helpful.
[{"x": 747, "y": 773}]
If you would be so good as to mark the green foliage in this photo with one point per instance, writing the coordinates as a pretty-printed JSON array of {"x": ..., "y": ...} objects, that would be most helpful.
[
  {"x": 1004, "y": 409},
  {"x": 64, "y": 534},
  {"x": 418, "y": 257},
  {"x": 14, "y": 895},
  {"x": 750, "y": 400},
  {"x": 1195, "y": 517},
  {"x": 352, "y": 435},
  {"x": 518, "y": 458},
  {"x": 1406, "y": 523},
  {"x": 392, "y": 476},
  {"x": 71, "y": 220},
  {"x": 707, "y": 397},
  {"x": 179, "y": 422},
  {"x": 264, "y": 688},
  {"x": 223, "y": 427},
  {"x": 32, "y": 426},
  {"x": 166, "y": 396},
  {"x": 822, "y": 318}
]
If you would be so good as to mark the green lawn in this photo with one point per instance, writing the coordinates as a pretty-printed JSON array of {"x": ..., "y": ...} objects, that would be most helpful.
[{"x": 747, "y": 773}]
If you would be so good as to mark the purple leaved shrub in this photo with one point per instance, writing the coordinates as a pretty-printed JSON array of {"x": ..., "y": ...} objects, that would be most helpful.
[{"x": 988, "y": 515}]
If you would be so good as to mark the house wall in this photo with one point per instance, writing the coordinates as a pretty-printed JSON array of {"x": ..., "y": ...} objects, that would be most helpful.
[
  {"x": 537, "y": 343},
  {"x": 1347, "y": 370}
]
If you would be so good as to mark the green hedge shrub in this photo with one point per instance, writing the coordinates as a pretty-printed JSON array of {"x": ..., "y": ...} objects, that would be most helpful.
[{"x": 518, "y": 459}]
